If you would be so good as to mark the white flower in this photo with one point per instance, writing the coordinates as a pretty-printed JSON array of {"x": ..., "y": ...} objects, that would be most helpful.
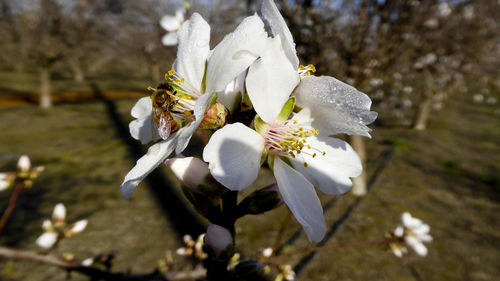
[
  {"x": 415, "y": 233},
  {"x": 338, "y": 107},
  {"x": 172, "y": 23},
  {"x": 197, "y": 75},
  {"x": 59, "y": 213},
  {"x": 300, "y": 157},
  {"x": 47, "y": 240}
]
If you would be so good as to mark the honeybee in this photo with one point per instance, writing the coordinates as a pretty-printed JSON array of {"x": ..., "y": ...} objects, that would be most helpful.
[{"x": 164, "y": 102}]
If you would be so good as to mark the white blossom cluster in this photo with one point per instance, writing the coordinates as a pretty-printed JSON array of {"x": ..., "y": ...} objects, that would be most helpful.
[{"x": 296, "y": 113}]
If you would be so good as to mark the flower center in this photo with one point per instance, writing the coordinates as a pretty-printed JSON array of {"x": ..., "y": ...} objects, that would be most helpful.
[
  {"x": 289, "y": 139},
  {"x": 306, "y": 70}
]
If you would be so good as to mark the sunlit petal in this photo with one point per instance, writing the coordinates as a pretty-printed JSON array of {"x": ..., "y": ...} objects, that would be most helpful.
[
  {"x": 270, "y": 81},
  {"x": 169, "y": 39},
  {"x": 278, "y": 26},
  {"x": 331, "y": 172},
  {"x": 234, "y": 154},
  {"x": 338, "y": 107},
  {"x": 156, "y": 154},
  {"x": 300, "y": 197},
  {"x": 235, "y": 53},
  {"x": 193, "y": 50}
]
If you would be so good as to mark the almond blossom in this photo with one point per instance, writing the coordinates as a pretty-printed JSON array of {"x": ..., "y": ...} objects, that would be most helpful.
[
  {"x": 198, "y": 75},
  {"x": 300, "y": 158},
  {"x": 172, "y": 23}
]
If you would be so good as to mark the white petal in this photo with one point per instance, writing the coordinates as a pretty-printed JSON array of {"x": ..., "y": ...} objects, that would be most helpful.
[
  {"x": 47, "y": 240},
  {"x": 336, "y": 106},
  {"x": 229, "y": 95},
  {"x": 332, "y": 172},
  {"x": 300, "y": 197},
  {"x": 235, "y": 53},
  {"x": 59, "y": 212},
  {"x": 417, "y": 245},
  {"x": 234, "y": 154},
  {"x": 142, "y": 108},
  {"x": 200, "y": 107},
  {"x": 170, "y": 22},
  {"x": 270, "y": 81},
  {"x": 278, "y": 26},
  {"x": 422, "y": 229},
  {"x": 193, "y": 50},
  {"x": 170, "y": 39},
  {"x": 179, "y": 14},
  {"x": 425, "y": 238},
  {"x": 399, "y": 231},
  {"x": 156, "y": 154},
  {"x": 143, "y": 128}
]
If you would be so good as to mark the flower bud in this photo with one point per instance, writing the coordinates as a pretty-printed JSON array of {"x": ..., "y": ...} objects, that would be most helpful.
[
  {"x": 76, "y": 228},
  {"x": 218, "y": 238},
  {"x": 194, "y": 175},
  {"x": 47, "y": 240},
  {"x": 24, "y": 164},
  {"x": 261, "y": 201},
  {"x": 47, "y": 226},
  {"x": 215, "y": 117},
  {"x": 59, "y": 213},
  {"x": 190, "y": 171}
]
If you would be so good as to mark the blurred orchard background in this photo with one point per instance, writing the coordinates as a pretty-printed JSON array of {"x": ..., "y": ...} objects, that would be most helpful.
[{"x": 71, "y": 70}]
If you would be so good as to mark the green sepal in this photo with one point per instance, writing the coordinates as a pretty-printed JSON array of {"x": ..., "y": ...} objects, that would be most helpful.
[
  {"x": 212, "y": 101},
  {"x": 260, "y": 126},
  {"x": 270, "y": 162},
  {"x": 286, "y": 110},
  {"x": 204, "y": 80},
  {"x": 246, "y": 104},
  {"x": 287, "y": 161}
]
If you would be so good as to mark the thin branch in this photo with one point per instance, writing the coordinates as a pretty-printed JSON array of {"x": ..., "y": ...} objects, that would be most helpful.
[
  {"x": 95, "y": 272},
  {"x": 12, "y": 204},
  {"x": 330, "y": 247}
]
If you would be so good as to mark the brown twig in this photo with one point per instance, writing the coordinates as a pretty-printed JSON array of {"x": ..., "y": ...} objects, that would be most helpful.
[
  {"x": 97, "y": 273},
  {"x": 330, "y": 247},
  {"x": 281, "y": 232},
  {"x": 12, "y": 204}
]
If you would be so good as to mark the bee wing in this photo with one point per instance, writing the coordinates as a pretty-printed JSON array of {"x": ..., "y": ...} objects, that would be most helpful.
[{"x": 164, "y": 124}]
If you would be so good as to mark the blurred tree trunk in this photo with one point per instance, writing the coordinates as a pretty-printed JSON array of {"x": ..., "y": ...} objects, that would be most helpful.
[
  {"x": 77, "y": 71},
  {"x": 423, "y": 114},
  {"x": 359, "y": 184},
  {"x": 424, "y": 109},
  {"x": 45, "y": 95}
]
